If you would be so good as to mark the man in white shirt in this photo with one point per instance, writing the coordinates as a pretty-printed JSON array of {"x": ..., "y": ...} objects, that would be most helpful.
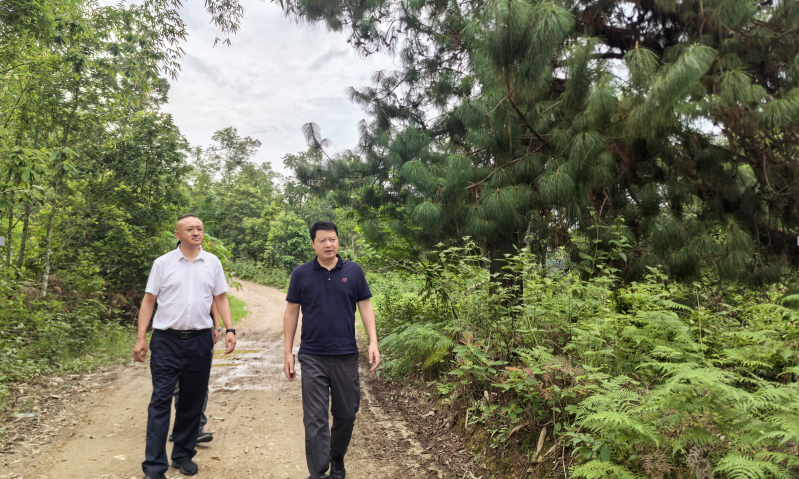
[{"x": 184, "y": 283}]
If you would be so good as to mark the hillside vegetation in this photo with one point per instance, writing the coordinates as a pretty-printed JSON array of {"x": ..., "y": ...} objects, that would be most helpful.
[{"x": 568, "y": 370}]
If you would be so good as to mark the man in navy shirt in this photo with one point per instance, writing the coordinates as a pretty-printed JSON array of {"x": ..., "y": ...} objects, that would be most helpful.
[{"x": 327, "y": 290}]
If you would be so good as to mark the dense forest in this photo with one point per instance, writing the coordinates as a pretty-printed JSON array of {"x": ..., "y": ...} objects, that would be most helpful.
[
  {"x": 93, "y": 176},
  {"x": 579, "y": 219}
]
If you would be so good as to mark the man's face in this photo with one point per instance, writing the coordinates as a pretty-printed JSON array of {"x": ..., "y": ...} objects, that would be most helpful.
[
  {"x": 190, "y": 231},
  {"x": 326, "y": 244}
]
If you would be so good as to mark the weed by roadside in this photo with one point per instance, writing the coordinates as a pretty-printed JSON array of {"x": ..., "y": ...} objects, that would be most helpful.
[
  {"x": 112, "y": 345},
  {"x": 237, "y": 311}
]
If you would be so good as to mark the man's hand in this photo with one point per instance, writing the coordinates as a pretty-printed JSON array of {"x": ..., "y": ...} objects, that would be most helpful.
[
  {"x": 140, "y": 350},
  {"x": 288, "y": 367},
  {"x": 145, "y": 313},
  {"x": 374, "y": 356},
  {"x": 230, "y": 340},
  {"x": 216, "y": 336},
  {"x": 290, "y": 319}
]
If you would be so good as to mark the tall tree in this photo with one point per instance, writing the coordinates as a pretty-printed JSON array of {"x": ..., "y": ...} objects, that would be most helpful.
[
  {"x": 231, "y": 153},
  {"x": 229, "y": 188},
  {"x": 75, "y": 77},
  {"x": 543, "y": 122}
]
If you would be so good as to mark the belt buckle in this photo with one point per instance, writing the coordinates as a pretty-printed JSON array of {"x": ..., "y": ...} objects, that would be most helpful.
[{"x": 185, "y": 334}]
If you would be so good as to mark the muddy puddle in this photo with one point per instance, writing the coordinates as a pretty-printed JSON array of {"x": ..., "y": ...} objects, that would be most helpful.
[
  {"x": 256, "y": 365},
  {"x": 220, "y": 354}
]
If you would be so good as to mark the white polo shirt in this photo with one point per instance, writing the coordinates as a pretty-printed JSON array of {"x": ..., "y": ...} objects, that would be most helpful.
[{"x": 185, "y": 290}]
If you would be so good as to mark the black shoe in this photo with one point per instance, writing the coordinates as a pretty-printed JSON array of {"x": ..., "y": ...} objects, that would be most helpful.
[
  {"x": 187, "y": 467},
  {"x": 155, "y": 475},
  {"x": 337, "y": 467},
  {"x": 204, "y": 437}
]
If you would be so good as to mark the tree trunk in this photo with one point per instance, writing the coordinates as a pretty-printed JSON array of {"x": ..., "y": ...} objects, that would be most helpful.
[
  {"x": 24, "y": 241},
  {"x": 8, "y": 235},
  {"x": 46, "y": 275},
  {"x": 47, "y": 244}
]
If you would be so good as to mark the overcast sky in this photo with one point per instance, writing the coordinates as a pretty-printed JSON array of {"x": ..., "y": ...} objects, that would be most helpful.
[{"x": 275, "y": 77}]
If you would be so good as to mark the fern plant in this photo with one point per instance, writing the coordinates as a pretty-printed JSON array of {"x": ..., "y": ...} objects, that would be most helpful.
[{"x": 648, "y": 379}]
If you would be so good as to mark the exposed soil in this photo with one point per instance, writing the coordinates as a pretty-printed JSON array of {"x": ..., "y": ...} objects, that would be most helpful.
[{"x": 93, "y": 426}]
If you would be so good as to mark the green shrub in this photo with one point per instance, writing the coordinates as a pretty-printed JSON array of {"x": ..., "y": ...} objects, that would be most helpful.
[
  {"x": 250, "y": 270},
  {"x": 237, "y": 311},
  {"x": 288, "y": 245},
  {"x": 38, "y": 336},
  {"x": 635, "y": 380}
]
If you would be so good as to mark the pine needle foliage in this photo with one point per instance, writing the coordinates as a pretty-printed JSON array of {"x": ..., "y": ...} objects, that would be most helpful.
[{"x": 531, "y": 122}]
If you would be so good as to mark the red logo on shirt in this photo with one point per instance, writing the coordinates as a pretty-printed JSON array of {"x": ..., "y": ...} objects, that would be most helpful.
[{"x": 343, "y": 280}]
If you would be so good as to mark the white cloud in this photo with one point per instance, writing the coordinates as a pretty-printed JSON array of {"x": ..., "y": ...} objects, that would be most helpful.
[{"x": 275, "y": 77}]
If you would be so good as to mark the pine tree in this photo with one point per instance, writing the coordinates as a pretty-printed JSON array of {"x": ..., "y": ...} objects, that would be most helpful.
[{"x": 544, "y": 123}]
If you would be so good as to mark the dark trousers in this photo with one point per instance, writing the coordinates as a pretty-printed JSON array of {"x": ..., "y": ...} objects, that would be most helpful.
[
  {"x": 203, "y": 417},
  {"x": 328, "y": 381},
  {"x": 176, "y": 361}
]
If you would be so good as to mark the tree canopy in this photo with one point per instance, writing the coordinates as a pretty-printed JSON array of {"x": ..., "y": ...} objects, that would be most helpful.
[{"x": 670, "y": 126}]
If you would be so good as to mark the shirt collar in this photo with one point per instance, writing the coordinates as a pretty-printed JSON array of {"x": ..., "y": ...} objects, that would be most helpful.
[
  {"x": 339, "y": 263},
  {"x": 180, "y": 254}
]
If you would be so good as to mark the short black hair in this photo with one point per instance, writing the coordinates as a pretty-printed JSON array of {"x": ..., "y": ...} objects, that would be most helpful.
[
  {"x": 187, "y": 215},
  {"x": 324, "y": 226}
]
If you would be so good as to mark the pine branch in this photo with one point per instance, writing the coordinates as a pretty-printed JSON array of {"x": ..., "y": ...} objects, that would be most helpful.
[
  {"x": 524, "y": 118},
  {"x": 510, "y": 163}
]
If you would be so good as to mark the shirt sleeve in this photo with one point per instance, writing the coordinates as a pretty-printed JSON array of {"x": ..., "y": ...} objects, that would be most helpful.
[
  {"x": 220, "y": 283},
  {"x": 154, "y": 280},
  {"x": 294, "y": 294},
  {"x": 364, "y": 292}
]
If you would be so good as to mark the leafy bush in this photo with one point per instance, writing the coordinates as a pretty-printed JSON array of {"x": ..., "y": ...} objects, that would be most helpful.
[
  {"x": 250, "y": 270},
  {"x": 645, "y": 379},
  {"x": 37, "y": 336},
  {"x": 288, "y": 245},
  {"x": 411, "y": 325}
]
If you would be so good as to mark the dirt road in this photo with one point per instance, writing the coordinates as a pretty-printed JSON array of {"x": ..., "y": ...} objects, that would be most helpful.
[{"x": 256, "y": 418}]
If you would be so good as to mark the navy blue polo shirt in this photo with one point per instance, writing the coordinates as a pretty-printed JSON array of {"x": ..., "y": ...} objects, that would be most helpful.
[{"x": 328, "y": 300}]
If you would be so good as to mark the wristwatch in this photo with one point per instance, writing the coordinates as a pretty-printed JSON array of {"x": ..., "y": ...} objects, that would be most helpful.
[
  {"x": 218, "y": 329},
  {"x": 230, "y": 331}
]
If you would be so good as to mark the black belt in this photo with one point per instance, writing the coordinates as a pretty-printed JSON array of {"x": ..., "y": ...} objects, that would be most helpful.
[{"x": 184, "y": 334}]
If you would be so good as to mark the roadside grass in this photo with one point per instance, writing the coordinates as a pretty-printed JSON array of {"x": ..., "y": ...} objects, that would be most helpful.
[
  {"x": 237, "y": 311},
  {"x": 110, "y": 346},
  {"x": 249, "y": 270},
  {"x": 359, "y": 329}
]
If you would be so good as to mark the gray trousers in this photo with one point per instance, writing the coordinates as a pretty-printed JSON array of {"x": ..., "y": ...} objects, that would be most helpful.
[
  {"x": 203, "y": 418},
  {"x": 328, "y": 381}
]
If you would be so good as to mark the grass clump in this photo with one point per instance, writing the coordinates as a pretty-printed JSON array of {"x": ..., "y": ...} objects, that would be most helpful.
[{"x": 237, "y": 309}]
